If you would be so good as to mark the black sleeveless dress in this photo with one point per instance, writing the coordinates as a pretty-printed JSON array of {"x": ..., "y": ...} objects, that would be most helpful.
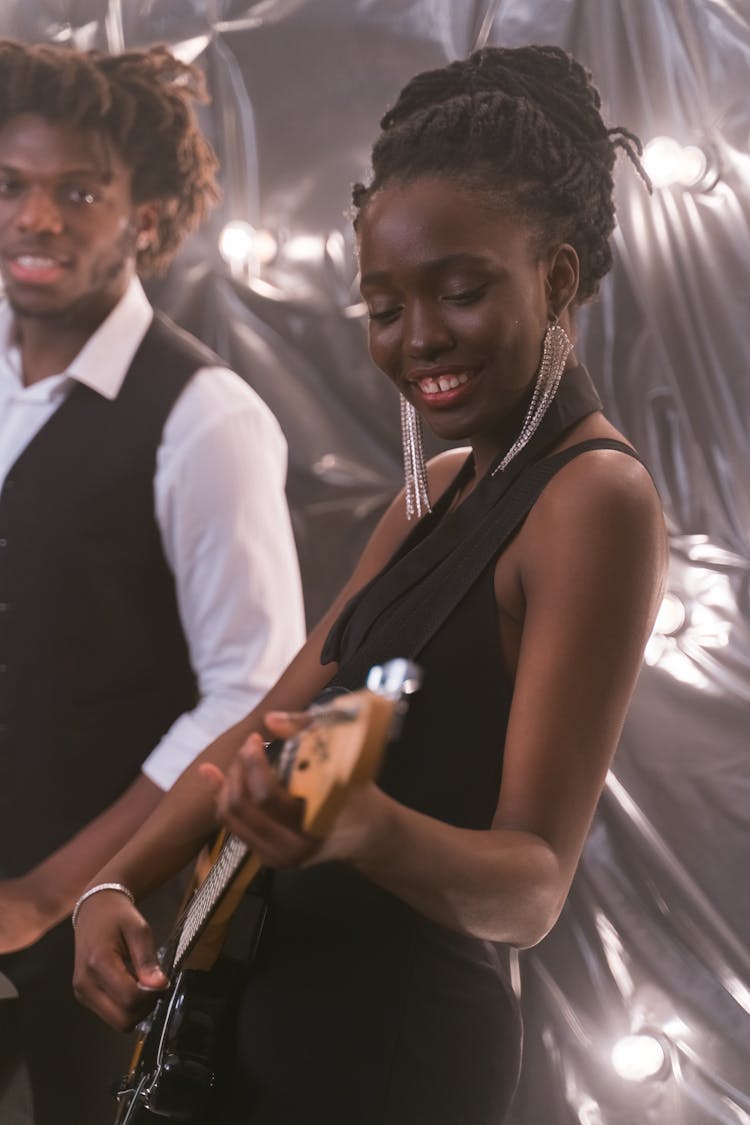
[{"x": 360, "y": 1011}]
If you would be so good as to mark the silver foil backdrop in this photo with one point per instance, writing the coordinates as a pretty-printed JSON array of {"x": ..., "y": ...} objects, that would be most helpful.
[{"x": 656, "y": 932}]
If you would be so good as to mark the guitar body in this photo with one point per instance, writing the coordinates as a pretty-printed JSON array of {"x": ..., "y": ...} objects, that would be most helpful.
[{"x": 176, "y": 1070}]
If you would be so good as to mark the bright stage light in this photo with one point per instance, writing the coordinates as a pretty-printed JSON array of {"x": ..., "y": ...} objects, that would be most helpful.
[
  {"x": 661, "y": 159},
  {"x": 265, "y": 246},
  {"x": 304, "y": 248},
  {"x": 236, "y": 242},
  {"x": 693, "y": 166},
  {"x": 671, "y": 617},
  {"x": 668, "y": 162},
  {"x": 241, "y": 245},
  {"x": 640, "y": 1057}
]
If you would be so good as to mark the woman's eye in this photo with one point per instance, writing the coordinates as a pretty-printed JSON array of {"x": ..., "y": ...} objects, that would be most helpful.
[
  {"x": 466, "y": 296},
  {"x": 384, "y": 315}
]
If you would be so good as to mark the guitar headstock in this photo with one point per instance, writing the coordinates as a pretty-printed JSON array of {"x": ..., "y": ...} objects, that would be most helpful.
[{"x": 345, "y": 742}]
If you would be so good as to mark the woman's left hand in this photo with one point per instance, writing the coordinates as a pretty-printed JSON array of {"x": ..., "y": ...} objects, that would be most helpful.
[{"x": 253, "y": 804}]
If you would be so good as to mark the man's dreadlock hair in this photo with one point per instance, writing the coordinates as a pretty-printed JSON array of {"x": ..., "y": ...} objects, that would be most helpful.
[
  {"x": 141, "y": 102},
  {"x": 523, "y": 124}
]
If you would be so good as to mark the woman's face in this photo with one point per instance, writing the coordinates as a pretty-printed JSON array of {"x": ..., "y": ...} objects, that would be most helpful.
[{"x": 459, "y": 300}]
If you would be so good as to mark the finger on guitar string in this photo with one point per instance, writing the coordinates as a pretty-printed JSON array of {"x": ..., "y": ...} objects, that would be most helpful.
[
  {"x": 213, "y": 775},
  {"x": 285, "y": 724},
  {"x": 252, "y": 771},
  {"x": 277, "y": 848},
  {"x": 254, "y": 805},
  {"x": 252, "y": 782},
  {"x": 228, "y": 786}
]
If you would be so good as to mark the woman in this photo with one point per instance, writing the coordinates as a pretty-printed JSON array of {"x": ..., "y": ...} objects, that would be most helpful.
[{"x": 379, "y": 994}]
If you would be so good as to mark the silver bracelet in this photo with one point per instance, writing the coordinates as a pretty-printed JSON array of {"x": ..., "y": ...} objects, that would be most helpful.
[{"x": 120, "y": 887}]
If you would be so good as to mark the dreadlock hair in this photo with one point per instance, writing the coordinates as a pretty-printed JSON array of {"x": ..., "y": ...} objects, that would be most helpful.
[
  {"x": 141, "y": 102},
  {"x": 523, "y": 124}
]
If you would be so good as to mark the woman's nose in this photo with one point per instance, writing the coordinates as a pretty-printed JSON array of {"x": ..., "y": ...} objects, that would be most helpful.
[{"x": 427, "y": 334}]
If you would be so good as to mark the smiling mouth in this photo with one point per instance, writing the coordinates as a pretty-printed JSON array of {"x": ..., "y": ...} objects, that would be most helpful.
[
  {"x": 430, "y": 386},
  {"x": 36, "y": 268},
  {"x": 445, "y": 387}
]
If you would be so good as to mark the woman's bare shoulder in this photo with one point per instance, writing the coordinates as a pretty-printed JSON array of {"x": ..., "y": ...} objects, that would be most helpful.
[
  {"x": 598, "y": 523},
  {"x": 605, "y": 482},
  {"x": 600, "y": 483}
]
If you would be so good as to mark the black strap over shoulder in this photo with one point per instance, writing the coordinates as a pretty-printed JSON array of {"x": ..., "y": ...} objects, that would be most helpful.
[{"x": 442, "y": 589}]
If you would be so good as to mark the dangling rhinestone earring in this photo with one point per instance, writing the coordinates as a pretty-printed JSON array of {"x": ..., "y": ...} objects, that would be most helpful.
[
  {"x": 415, "y": 475},
  {"x": 555, "y": 352}
]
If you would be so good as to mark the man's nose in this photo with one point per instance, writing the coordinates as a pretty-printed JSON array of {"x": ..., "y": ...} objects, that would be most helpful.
[{"x": 39, "y": 212}]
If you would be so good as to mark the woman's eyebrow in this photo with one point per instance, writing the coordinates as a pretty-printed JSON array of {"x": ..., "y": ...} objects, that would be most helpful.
[{"x": 433, "y": 265}]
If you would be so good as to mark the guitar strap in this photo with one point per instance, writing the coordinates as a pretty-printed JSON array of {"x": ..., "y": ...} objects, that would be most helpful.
[{"x": 407, "y": 633}]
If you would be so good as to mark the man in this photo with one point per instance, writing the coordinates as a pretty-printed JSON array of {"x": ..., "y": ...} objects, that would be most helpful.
[{"x": 149, "y": 591}]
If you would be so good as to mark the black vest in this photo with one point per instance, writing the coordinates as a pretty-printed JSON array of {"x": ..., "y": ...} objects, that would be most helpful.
[{"x": 94, "y": 667}]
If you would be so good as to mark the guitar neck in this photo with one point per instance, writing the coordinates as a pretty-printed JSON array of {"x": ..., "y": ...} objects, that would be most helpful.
[
  {"x": 204, "y": 906},
  {"x": 204, "y": 903}
]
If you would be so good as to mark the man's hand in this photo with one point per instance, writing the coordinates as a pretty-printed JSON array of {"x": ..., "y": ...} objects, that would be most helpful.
[{"x": 26, "y": 912}]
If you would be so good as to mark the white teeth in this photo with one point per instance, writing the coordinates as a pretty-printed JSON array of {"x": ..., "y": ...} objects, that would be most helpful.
[
  {"x": 28, "y": 262},
  {"x": 430, "y": 386}
]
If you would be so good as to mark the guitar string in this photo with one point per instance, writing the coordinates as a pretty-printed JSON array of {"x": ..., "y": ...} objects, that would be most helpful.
[{"x": 203, "y": 902}]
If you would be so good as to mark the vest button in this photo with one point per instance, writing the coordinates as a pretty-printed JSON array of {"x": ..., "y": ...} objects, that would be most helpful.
[
  {"x": 3, "y": 541},
  {"x": 3, "y": 669},
  {"x": 4, "y": 607}
]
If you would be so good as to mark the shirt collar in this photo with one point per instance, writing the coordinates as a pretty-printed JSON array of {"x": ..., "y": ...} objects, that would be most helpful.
[{"x": 103, "y": 361}]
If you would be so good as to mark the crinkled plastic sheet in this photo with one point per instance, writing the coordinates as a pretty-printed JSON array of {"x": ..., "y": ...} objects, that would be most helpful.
[{"x": 655, "y": 933}]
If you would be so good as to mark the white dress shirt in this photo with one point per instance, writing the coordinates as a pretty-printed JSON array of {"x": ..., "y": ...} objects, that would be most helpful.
[{"x": 221, "y": 510}]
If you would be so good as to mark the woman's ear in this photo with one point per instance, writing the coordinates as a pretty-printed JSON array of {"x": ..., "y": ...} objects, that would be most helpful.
[{"x": 562, "y": 279}]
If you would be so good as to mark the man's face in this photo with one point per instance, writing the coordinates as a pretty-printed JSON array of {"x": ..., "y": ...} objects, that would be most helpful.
[{"x": 68, "y": 224}]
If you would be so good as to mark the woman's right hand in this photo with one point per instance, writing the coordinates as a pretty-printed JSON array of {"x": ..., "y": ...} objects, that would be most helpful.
[{"x": 116, "y": 969}]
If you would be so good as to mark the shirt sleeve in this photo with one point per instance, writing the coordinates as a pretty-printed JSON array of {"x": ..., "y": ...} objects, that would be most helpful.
[{"x": 226, "y": 532}]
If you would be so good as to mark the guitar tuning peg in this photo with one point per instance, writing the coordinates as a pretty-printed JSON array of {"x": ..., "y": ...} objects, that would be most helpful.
[{"x": 395, "y": 678}]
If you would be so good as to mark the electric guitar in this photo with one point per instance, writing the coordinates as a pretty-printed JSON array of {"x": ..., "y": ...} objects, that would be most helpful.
[{"x": 175, "y": 1071}]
